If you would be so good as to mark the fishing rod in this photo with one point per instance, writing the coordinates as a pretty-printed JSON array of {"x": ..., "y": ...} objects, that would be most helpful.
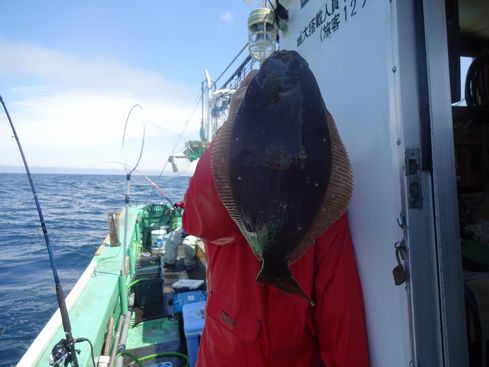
[
  {"x": 66, "y": 348},
  {"x": 129, "y": 170},
  {"x": 154, "y": 184},
  {"x": 150, "y": 181}
]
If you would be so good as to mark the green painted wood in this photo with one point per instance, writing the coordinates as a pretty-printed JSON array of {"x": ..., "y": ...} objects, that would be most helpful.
[
  {"x": 100, "y": 299},
  {"x": 90, "y": 315}
]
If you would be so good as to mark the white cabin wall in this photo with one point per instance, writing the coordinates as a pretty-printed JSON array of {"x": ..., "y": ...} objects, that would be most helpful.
[{"x": 354, "y": 69}]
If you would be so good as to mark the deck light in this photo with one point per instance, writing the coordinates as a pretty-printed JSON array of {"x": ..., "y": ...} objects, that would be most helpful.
[{"x": 262, "y": 33}]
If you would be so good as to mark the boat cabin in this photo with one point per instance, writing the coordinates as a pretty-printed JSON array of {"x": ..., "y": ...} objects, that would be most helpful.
[{"x": 407, "y": 83}]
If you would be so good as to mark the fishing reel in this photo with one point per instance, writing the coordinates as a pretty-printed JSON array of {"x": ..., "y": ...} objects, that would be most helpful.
[{"x": 63, "y": 353}]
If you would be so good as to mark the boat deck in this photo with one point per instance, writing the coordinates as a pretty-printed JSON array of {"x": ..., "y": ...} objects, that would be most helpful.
[
  {"x": 157, "y": 329},
  {"x": 154, "y": 332}
]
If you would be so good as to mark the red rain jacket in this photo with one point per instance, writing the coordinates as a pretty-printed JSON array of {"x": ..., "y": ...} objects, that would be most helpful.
[{"x": 252, "y": 325}]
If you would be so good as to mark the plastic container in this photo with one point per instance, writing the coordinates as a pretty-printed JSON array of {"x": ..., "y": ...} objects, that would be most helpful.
[
  {"x": 149, "y": 264},
  {"x": 147, "y": 261},
  {"x": 158, "y": 240},
  {"x": 158, "y": 236},
  {"x": 149, "y": 291},
  {"x": 148, "y": 269},
  {"x": 182, "y": 299},
  {"x": 193, "y": 325},
  {"x": 186, "y": 285}
]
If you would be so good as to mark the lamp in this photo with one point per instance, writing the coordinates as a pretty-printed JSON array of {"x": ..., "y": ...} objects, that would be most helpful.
[{"x": 262, "y": 33}]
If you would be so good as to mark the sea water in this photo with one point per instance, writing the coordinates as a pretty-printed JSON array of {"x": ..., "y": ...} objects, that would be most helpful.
[{"x": 75, "y": 209}]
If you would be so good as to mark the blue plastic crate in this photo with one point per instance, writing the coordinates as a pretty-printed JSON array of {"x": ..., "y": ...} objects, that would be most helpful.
[
  {"x": 181, "y": 299},
  {"x": 193, "y": 325}
]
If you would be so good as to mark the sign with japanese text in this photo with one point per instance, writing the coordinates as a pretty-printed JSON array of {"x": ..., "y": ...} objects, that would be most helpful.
[{"x": 332, "y": 15}]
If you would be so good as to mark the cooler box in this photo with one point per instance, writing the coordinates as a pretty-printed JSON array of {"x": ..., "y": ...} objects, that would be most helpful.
[
  {"x": 188, "y": 285},
  {"x": 181, "y": 299},
  {"x": 193, "y": 324}
]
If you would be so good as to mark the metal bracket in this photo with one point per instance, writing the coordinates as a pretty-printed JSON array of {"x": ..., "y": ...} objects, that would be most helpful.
[{"x": 413, "y": 173}]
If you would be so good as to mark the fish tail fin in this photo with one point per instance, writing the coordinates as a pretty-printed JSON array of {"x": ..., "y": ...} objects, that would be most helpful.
[{"x": 281, "y": 278}]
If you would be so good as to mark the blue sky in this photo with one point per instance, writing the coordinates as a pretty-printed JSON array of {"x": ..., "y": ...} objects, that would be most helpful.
[{"x": 71, "y": 71}]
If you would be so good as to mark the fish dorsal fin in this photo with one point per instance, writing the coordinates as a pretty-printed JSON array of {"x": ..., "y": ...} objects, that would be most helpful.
[
  {"x": 338, "y": 192},
  {"x": 220, "y": 152}
]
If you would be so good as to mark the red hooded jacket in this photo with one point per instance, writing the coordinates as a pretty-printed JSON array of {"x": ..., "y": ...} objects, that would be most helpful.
[{"x": 252, "y": 325}]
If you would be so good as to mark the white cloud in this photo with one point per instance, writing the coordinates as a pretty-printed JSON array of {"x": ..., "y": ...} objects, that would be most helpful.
[
  {"x": 73, "y": 115},
  {"x": 23, "y": 59},
  {"x": 227, "y": 17}
]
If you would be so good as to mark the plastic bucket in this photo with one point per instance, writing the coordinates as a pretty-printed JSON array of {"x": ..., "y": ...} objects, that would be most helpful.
[
  {"x": 158, "y": 239},
  {"x": 158, "y": 236}
]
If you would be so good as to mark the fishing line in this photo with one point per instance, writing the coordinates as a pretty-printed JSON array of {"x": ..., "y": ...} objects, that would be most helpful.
[
  {"x": 196, "y": 103},
  {"x": 161, "y": 127},
  {"x": 179, "y": 140},
  {"x": 154, "y": 184},
  {"x": 129, "y": 170},
  {"x": 70, "y": 341},
  {"x": 126, "y": 165},
  {"x": 201, "y": 98}
]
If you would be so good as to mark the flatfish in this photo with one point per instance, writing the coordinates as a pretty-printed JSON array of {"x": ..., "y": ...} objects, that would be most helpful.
[{"x": 280, "y": 167}]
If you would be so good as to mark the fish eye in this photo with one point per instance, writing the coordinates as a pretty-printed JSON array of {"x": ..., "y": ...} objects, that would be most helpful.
[{"x": 277, "y": 80}]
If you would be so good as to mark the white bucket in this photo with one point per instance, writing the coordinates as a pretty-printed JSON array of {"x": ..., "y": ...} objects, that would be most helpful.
[
  {"x": 158, "y": 239},
  {"x": 157, "y": 236}
]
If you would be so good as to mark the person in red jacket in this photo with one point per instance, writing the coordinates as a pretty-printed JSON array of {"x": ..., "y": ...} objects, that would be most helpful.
[{"x": 252, "y": 325}]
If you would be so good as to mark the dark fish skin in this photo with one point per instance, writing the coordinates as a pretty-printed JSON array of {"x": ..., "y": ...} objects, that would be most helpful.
[
  {"x": 273, "y": 163},
  {"x": 280, "y": 161}
]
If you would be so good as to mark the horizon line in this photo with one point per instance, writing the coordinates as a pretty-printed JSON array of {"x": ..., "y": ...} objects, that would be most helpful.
[{"x": 73, "y": 170}]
